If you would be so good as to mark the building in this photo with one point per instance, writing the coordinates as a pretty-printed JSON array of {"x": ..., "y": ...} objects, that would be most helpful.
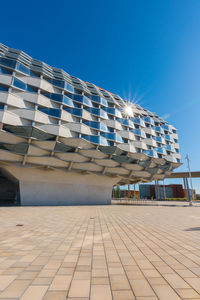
[
  {"x": 65, "y": 141},
  {"x": 151, "y": 191},
  {"x": 129, "y": 194}
]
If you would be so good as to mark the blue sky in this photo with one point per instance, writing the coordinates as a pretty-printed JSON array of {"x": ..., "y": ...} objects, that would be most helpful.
[{"x": 147, "y": 49}]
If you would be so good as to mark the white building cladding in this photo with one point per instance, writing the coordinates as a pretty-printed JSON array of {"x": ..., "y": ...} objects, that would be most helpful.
[{"x": 68, "y": 141}]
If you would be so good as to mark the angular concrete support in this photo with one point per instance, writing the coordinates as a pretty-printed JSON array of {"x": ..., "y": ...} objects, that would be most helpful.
[{"x": 54, "y": 187}]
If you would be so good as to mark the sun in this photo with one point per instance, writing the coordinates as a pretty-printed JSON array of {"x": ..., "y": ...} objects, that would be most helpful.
[{"x": 128, "y": 110}]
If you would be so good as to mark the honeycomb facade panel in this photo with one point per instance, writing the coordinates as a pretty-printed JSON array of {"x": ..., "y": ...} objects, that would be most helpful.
[{"x": 68, "y": 141}]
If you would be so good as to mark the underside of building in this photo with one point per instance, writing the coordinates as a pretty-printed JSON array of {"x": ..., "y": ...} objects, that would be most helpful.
[{"x": 64, "y": 141}]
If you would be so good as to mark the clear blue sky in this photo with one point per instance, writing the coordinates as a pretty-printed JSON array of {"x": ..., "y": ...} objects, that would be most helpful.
[{"x": 148, "y": 49}]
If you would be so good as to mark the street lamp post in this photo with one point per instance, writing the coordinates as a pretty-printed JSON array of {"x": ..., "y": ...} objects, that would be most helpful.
[{"x": 189, "y": 171}]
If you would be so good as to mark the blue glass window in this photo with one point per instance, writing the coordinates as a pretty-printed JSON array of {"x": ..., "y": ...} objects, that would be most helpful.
[
  {"x": 103, "y": 127},
  {"x": 103, "y": 102},
  {"x": 81, "y": 99},
  {"x": 55, "y": 112},
  {"x": 74, "y": 111},
  {"x": 149, "y": 120},
  {"x": 160, "y": 150},
  {"x": 138, "y": 121},
  {"x": 23, "y": 86},
  {"x": 68, "y": 87},
  {"x": 126, "y": 122},
  {"x": 139, "y": 132},
  {"x": 8, "y": 62},
  {"x": 87, "y": 102},
  {"x": 170, "y": 148},
  {"x": 151, "y": 153},
  {"x": 96, "y": 125},
  {"x": 169, "y": 138},
  {"x": 3, "y": 71},
  {"x": 56, "y": 97},
  {"x": 68, "y": 102},
  {"x": 78, "y": 98},
  {"x": 98, "y": 112},
  {"x": 19, "y": 84},
  {"x": 158, "y": 129},
  {"x": 24, "y": 69},
  {"x": 113, "y": 111},
  {"x": 52, "y": 96},
  {"x": 157, "y": 138},
  {"x": 56, "y": 82},
  {"x": 112, "y": 136},
  {"x": 166, "y": 127},
  {"x": 3, "y": 89},
  {"x": 94, "y": 98},
  {"x": 71, "y": 95},
  {"x": 99, "y": 100},
  {"x": 30, "y": 89},
  {"x": 92, "y": 124}
]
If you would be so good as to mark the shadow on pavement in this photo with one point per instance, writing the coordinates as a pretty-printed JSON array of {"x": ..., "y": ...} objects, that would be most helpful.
[{"x": 193, "y": 229}]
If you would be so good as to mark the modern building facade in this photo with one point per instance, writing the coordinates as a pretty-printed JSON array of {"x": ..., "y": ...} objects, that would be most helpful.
[
  {"x": 66, "y": 141},
  {"x": 152, "y": 191}
]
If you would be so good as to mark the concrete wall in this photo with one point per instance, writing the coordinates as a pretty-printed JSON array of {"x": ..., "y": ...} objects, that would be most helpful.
[{"x": 55, "y": 187}]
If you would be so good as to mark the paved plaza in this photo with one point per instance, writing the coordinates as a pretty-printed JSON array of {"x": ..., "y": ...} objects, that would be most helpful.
[{"x": 100, "y": 253}]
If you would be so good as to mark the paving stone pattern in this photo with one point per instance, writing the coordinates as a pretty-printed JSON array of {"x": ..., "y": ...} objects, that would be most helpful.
[{"x": 100, "y": 253}]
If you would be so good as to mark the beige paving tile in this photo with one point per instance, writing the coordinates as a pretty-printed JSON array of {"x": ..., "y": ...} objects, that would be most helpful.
[
  {"x": 78, "y": 298},
  {"x": 28, "y": 258},
  {"x": 100, "y": 280},
  {"x": 176, "y": 281},
  {"x": 194, "y": 283},
  {"x": 55, "y": 295},
  {"x": 47, "y": 273},
  {"x": 150, "y": 273},
  {"x": 61, "y": 247},
  {"x": 12, "y": 271},
  {"x": 123, "y": 295},
  {"x": 65, "y": 271},
  {"x": 119, "y": 282},
  {"x": 42, "y": 281},
  {"x": 5, "y": 280},
  {"x": 34, "y": 292},
  {"x": 184, "y": 273},
  {"x": 157, "y": 281},
  {"x": 15, "y": 289},
  {"x": 165, "y": 270},
  {"x": 61, "y": 283},
  {"x": 27, "y": 275},
  {"x": 83, "y": 268},
  {"x": 147, "y": 298},
  {"x": 81, "y": 275},
  {"x": 79, "y": 288},
  {"x": 165, "y": 292},
  {"x": 99, "y": 292},
  {"x": 141, "y": 288},
  {"x": 99, "y": 273},
  {"x": 116, "y": 271},
  {"x": 52, "y": 264},
  {"x": 188, "y": 293},
  {"x": 135, "y": 274}
]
